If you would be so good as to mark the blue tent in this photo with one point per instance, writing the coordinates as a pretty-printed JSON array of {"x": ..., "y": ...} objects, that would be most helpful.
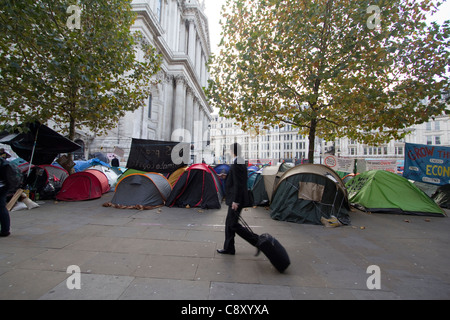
[{"x": 222, "y": 168}]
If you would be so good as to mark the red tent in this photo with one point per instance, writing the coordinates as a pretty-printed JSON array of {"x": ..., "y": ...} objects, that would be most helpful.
[
  {"x": 198, "y": 186},
  {"x": 85, "y": 185}
]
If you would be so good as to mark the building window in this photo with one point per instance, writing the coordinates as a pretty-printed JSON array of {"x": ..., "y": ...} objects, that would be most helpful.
[
  {"x": 429, "y": 140},
  {"x": 437, "y": 140},
  {"x": 437, "y": 126}
]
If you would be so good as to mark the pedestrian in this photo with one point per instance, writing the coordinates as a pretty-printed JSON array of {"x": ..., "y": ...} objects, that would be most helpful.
[
  {"x": 5, "y": 221},
  {"x": 236, "y": 196},
  {"x": 115, "y": 162}
]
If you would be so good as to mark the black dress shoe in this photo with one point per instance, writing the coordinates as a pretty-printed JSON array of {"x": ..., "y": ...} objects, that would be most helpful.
[
  {"x": 222, "y": 251},
  {"x": 4, "y": 234}
]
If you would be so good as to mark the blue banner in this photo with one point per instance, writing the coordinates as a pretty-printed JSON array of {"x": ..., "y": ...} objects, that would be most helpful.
[{"x": 427, "y": 163}]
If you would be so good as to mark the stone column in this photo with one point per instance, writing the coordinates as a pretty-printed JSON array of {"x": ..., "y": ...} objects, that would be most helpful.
[
  {"x": 182, "y": 43},
  {"x": 180, "y": 105},
  {"x": 189, "y": 125},
  {"x": 203, "y": 72},
  {"x": 192, "y": 37},
  {"x": 168, "y": 108},
  {"x": 198, "y": 55},
  {"x": 197, "y": 128}
]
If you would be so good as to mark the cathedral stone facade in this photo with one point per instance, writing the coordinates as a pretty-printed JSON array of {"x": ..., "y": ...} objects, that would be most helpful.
[{"x": 177, "y": 108}]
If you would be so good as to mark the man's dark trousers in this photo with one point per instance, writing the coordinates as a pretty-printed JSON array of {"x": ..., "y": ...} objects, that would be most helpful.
[
  {"x": 4, "y": 214},
  {"x": 232, "y": 226}
]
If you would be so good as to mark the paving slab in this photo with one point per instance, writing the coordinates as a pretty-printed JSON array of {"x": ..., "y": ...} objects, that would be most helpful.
[
  {"x": 93, "y": 287},
  {"x": 170, "y": 254},
  {"x": 239, "y": 291},
  {"x": 166, "y": 289}
]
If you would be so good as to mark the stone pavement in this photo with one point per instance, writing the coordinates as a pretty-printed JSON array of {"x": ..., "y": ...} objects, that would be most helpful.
[{"x": 170, "y": 254}]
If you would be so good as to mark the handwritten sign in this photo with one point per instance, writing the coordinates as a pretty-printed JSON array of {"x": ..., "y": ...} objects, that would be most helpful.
[
  {"x": 155, "y": 156},
  {"x": 340, "y": 164},
  {"x": 427, "y": 163}
]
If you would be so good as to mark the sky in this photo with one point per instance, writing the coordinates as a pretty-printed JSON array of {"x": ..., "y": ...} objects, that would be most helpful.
[
  {"x": 212, "y": 11},
  {"x": 213, "y": 8}
]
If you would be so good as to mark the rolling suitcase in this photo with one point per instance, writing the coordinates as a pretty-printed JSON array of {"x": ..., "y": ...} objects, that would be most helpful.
[
  {"x": 271, "y": 248},
  {"x": 274, "y": 251}
]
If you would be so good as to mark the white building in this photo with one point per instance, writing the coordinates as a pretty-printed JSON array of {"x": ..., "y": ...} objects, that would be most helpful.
[
  {"x": 285, "y": 143},
  {"x": 433, "y": 132},
  {"x": 275, "y": 145},
  {"x": 178, "y": 29}
]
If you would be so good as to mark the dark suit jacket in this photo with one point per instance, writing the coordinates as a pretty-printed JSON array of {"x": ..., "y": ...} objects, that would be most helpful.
[{"x": 236, "y": 184}]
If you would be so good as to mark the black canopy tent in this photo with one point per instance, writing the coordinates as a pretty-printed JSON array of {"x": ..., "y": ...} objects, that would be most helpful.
[{"x": 39, "y": 144}]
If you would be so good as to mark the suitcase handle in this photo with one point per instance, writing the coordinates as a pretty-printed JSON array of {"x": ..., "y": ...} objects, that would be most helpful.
[{"x": 245, "y": 224}]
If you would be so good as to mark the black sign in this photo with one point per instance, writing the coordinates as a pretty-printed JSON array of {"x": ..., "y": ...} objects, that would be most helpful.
[{"x": 158, "y": 156}]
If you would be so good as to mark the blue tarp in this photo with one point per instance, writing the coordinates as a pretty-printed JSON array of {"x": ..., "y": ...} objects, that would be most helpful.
[{"x": 83, "y": 165}]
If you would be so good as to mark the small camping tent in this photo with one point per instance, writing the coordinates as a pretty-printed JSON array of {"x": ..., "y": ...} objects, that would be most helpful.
[
  {"x": 222, "y": 169},
  {"x": 307, "y": 193},
  {"x": 128, "y": 172},
  {"x": 272, "y": 175},
  {"x": 46, "y": 180},
  {"x": 255, "y": 184},
  {"x": 199, "y": 186},
  {"x": 141, "y": 191},
  {"x": 109, "y": 173},
  {"x": 383, "y": 191},
  {"x": 251, "y": 176},
  {"x": 174, "y": 176},
  {"x": 85, "y": 185}
]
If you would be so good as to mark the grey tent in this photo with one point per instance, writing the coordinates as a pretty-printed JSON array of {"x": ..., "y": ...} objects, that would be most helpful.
[
  {"x": 141, "y": 191},
  {"x": 442, "y": 196},
  {"x": 272, "y": 175},
  {"x": 307, "y": 193}
]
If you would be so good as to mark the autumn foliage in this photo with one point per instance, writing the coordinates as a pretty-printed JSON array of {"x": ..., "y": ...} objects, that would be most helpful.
[{"x": 366, "y": 70}]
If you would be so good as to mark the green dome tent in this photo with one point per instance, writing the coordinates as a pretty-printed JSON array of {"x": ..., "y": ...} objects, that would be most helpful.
[{"x": 383, "y": 191}]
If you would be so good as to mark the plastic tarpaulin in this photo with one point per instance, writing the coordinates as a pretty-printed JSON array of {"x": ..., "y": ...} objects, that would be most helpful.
[{"x": 40, "y": 145}]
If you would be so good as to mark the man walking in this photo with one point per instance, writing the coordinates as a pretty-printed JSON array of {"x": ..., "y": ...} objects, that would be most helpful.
[{"x": 236, "y": 195}]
